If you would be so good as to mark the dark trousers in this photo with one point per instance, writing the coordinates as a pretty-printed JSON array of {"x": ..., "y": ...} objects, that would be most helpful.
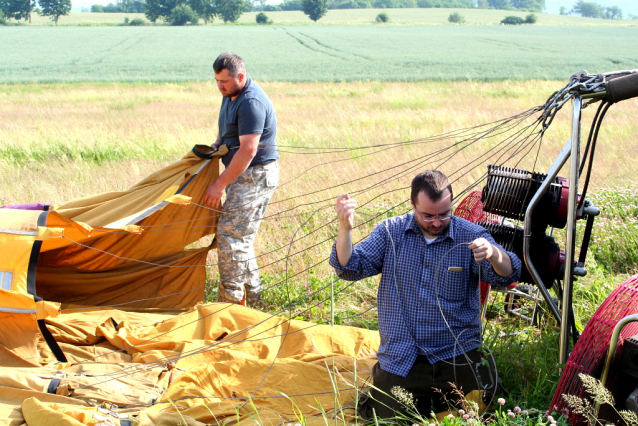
[{"x": 421, "y": 382}]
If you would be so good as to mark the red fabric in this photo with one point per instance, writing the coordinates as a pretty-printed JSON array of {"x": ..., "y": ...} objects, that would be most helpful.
[{"x": 471, "y": 208}]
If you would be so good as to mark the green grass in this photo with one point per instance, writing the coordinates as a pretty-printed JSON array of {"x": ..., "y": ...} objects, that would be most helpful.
[
  {"x": 431, "y": 16},
  {"x": 314, "y": 53},
  {"x": 61, "y": 141}
]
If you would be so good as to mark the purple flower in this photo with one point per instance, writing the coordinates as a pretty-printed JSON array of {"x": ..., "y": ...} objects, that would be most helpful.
[
  {"x": 501, "y": 401},
  {"x": 466, "y": 416},
  {"x": 510, "y": 414},
  {"x": 517, "y": 410},
  {"x": 461, "y": 412}
]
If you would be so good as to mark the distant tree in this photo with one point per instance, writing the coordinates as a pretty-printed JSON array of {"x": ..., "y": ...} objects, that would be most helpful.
[
  {"x": 383, "y": 4},
  {"x": 531, "y": 19},
  {"x": 156, "y": 9},
  {"x": 291, "y": 5},
  {"x": 183, "y": 14},
  {"x": 137, "y": 21},
  {"x": 206, "y": 9},
  {"x": 17, "y": 9},
  {"x": 315, "y": 9},
  {"x": 272, "y": 8},
  {"x": 529, "y": 5},
  {"x": 382, "y": 18},
  {"x": 563, "y": 10},
  {"x": 54, "y": 8},
  {"x": 97, "y": 8},
  {"x": 131, "y": 6},
  {"x": 500, "y": 4},
  {"x": 262, "y": 19},
  {"x": 2, "y": 21},
  {"x": 588, "y": 9},
  {"x": 231, "y": 10},
  {"x": 350, "y": 4},
  {"x": 613, "y": 12},
  {"x": 456, "y": 18},
  {"x": 512, "y": 20}
]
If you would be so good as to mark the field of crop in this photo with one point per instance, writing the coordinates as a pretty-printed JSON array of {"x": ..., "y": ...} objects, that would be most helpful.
[
  {"x": 314, "y": 53},
  {"x": 432, "y": 16}
]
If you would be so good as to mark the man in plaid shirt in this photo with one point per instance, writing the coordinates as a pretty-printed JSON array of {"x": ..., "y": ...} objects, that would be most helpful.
[{"x": 428, "y": 297}]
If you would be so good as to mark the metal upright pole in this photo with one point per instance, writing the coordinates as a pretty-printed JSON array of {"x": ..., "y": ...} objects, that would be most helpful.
[{"x": 570, "y": 241}]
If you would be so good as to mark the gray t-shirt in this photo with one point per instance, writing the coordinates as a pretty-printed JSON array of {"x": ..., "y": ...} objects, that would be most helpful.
[{"x": 250, "y": 113}]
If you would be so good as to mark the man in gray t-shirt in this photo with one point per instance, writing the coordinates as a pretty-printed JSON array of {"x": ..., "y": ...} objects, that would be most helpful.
[{"x": 248, "y": 127}]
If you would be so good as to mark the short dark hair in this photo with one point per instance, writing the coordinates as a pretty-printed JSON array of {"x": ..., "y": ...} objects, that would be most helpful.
[
  {"x": 230, "y": 61},
  {"x": 433, "y": 183}
]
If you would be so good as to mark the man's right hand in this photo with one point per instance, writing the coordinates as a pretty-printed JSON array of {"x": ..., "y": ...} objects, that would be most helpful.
[
  {"x": 345, "y": 211},
  {"x": 213, "y": 196}
]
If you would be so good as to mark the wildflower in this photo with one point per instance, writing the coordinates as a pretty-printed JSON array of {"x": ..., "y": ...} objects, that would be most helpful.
[
  {"x": 517, "y": 410},
  {"x": 416, "y": 424},
  {"x": 501, "y": 401},
  {"x": 466, "y": 416},
  {"x": 450, "y": 416},
  {"x": 510, "y": 414},
  {"x": 461, "y": 412},
  {"x": 431, "y": 424},
  {"x": 551, "y": 419},
  {"x": 525, "y": 413}
]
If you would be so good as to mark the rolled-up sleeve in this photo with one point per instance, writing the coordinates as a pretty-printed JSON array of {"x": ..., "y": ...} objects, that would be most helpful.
[
  {"x": 367, "y": 257},
  {"x": 487, "y": 273}
]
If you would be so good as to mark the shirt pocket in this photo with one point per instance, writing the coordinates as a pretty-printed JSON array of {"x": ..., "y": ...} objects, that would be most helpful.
[{"x": 453, "y": 286}]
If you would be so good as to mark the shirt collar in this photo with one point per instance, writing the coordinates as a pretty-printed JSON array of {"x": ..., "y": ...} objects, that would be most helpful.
[{"x": 449, "y": 233}]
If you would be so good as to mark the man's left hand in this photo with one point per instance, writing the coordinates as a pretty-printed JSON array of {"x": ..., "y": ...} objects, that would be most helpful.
[
  {"x": 213, "y": 197},
  {"x": 482, "y": 249}
]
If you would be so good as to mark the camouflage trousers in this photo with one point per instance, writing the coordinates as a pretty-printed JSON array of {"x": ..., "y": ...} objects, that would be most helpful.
[{"x": 246, "y": 200}]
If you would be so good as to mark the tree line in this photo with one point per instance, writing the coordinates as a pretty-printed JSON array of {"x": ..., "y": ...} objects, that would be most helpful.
[
  {"x": 588, "y": 9},
  {"x": 522, "y": 5},
  {"x": 22, "y": 9},
  {"x": 180, "y": 12}
]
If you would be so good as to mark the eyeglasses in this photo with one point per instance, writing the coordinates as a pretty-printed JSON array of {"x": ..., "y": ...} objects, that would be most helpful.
[{"x": 442, "y": 218}]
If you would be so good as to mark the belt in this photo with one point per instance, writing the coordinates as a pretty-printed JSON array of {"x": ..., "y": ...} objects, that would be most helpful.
[{"x": 263, "y": 163}]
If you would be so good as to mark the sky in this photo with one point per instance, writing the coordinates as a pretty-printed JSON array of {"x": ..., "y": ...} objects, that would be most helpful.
[{"x": 551, "y": 6}]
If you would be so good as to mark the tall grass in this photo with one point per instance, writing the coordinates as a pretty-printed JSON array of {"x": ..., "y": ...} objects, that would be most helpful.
[{"x": 60, "y": 142}]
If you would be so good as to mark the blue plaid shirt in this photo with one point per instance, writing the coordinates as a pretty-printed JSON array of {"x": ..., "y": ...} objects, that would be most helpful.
[{"x": 413, "y": 321}]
